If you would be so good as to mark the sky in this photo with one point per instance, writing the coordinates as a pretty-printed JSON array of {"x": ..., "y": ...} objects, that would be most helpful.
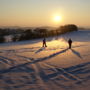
[{"x": 41, "y": 12}]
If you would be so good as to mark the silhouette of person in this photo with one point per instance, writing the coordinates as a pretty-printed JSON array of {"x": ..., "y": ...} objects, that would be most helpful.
[
  {"x": 44, "y": 43},
  {"x": 70, "y": 43}
]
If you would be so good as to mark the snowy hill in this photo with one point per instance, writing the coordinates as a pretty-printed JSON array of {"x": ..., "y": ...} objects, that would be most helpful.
[{"x": 27, "y": 65}]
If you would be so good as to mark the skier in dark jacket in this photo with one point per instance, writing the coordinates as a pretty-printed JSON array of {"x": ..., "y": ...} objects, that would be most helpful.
[
  {"x": 44, "y": 43},
  {"x": 70, "y": 43}
]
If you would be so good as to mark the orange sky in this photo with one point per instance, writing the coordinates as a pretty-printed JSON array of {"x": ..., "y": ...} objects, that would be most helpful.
[{"x": 40, "y": 12}]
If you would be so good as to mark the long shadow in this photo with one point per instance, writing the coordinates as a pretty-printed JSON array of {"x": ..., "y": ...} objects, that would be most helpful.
[
  {"x": 53, "y": 77},
  {"x": 51, "y": 56},
  {"x": 39, "y": 50},
  {"x": 77, "y": 66},
  {"x": 7, "y": 60},
  {"x": 76, "y": 53},
  {"x": 72, "y": 72},
  {"x": 79, "y": 69},
  {"x": 42, "y": 74},
  {"x": 33, "y": 61}
]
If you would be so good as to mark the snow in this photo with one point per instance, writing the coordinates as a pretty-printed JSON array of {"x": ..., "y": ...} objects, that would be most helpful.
[{"x": 26, "y": 65}]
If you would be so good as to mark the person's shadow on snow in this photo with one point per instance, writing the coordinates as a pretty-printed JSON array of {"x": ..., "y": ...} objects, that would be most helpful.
[
  {"x": 52, "y": 55},
  {"x": 39, "y": 50},
  {"x": 76, "y": 53}
]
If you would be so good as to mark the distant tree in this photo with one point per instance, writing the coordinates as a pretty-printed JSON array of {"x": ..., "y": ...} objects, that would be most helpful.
[
  {"x": 2, "y": 39},
  {"x": 41, "y": 32},
  {"x": 67, "y": 28},
  {"x": 72, "y": 27},
  {"x": 22, "y": 37},
  {"x": 28, "y": 34},
  {"x": 15, "y": 38},
  {"x": 28, "y": 31}
]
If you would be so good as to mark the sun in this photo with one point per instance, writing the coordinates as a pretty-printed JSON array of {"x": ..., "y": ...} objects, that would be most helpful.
[{"x": 57, "y": 18}]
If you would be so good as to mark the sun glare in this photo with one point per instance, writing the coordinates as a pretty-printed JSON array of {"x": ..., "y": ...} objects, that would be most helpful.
[{"x": 57, "y": 18}]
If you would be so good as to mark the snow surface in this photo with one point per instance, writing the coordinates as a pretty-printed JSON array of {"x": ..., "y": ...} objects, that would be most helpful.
[{"x": 27, "y": 65}]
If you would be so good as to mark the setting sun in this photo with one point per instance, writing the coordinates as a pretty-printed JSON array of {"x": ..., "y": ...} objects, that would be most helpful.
[{"x": 57, "y": 18}]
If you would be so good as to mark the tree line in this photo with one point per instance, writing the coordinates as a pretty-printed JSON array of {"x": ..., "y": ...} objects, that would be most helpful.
[{"x": 28, "y": 34}]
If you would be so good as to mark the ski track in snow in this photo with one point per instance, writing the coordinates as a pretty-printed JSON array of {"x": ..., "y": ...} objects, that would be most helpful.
[{"x": 29, "y": 73}]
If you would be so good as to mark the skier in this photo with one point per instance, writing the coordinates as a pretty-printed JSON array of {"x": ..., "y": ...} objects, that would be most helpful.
[
  {"x": 70, "y": 43},
  {"x": 44, "y": 43}
]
